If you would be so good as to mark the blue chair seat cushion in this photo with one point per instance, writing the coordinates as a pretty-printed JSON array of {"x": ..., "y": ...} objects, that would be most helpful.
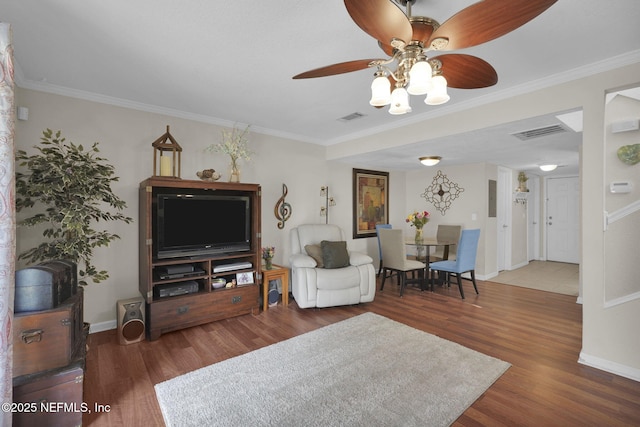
[{"x": 449, "y": 266}]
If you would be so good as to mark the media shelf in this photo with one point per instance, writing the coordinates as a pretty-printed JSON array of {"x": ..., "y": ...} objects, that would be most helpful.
[{"x": 178, "y": 291}]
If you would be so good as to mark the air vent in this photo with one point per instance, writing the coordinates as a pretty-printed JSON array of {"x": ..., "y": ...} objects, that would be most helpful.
[
  {"x": 351, "y": 116},
  {"x": 537, "y": 133}
]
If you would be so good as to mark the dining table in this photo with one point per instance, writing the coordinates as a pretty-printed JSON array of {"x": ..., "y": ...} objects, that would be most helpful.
[{"x": 423, "y": 248}]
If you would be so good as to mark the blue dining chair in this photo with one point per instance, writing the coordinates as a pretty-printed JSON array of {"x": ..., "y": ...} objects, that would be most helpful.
[
  {"x": 378, "y": 227},
  {"x": 465, "y": 261}
]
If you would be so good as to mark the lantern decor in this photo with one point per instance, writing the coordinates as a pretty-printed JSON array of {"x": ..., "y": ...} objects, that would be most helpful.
[{"x": 165, "y": 161}]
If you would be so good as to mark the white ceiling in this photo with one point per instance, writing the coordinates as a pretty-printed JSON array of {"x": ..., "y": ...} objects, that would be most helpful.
[{"x": 231, "y": 63}]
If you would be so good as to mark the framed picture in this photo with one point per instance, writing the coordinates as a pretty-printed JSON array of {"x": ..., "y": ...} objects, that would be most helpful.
[
  {"x": 243, "y": 279},
  {"x": 370, "y": 201}
]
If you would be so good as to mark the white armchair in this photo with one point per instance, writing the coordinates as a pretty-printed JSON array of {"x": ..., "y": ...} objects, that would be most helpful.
[{"x": 316, "y": 285}]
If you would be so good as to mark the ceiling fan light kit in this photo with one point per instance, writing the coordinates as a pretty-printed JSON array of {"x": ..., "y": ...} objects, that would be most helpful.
[
  {"x": 406, "y": 39},
  {"x": 399, "y": 101},
  {"x": 380, "y": 91}
]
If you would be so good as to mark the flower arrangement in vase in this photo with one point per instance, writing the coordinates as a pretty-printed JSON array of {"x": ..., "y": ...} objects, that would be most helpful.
[
  {"x": 418, "y": 220},
  {"x": 234, "y": 144},
  {"x": 267, "y": 255}
]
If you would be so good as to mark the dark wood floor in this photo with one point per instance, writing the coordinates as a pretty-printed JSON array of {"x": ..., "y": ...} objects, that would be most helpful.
[{"x": 538, "y": 332}]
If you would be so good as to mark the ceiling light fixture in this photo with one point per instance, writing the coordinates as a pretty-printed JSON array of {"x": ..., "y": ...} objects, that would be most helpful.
[
  {"x": 430, "y": 160},
  {"x": 548, "y": 167}
]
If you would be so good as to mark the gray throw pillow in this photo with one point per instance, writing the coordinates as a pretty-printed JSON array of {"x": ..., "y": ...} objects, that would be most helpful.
[
  {"x": 334, "y": 254},
  {"x": 315, "y": 252}
]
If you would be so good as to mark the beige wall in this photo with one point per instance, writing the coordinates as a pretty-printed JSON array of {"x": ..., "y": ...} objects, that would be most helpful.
[
  {"x": 470, "y": 209},
  {"x": 125, "y": 138},
  {"x": 610, "y": 339}
]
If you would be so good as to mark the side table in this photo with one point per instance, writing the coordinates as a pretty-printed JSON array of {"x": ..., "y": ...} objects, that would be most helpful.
[{"x": 279, "y": 274}]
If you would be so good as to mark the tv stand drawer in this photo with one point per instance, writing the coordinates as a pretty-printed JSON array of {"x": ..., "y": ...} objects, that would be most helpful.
[{"x": 176, "y": 313}]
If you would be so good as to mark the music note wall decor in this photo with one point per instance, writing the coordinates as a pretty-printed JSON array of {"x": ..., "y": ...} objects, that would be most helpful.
[{"x": 282, "y": 209}]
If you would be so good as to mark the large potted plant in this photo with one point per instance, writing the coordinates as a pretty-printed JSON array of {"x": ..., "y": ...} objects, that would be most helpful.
[{"x": 69, "y": 188}]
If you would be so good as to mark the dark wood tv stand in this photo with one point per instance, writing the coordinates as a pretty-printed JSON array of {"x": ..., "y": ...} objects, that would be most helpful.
[{"x": 170, "y": 313}]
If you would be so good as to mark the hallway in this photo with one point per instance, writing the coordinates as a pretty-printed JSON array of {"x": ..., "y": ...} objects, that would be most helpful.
[{"x": 558, "y": 277}]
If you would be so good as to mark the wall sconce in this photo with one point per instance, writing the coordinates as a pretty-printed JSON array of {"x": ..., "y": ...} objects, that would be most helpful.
[
  {"x": 328, "y": 202},
  {"x": 166, "y": 156}
]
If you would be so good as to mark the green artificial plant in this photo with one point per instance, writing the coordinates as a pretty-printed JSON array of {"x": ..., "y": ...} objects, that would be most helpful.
[{"x": 70, "y": 188}]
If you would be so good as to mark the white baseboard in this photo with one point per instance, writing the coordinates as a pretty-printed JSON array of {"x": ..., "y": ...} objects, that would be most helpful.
[
  {"x": 522, "y": 264},
  {"x": 488, "y": 276},
  {"x": 609, "y": 366},
  {"x": 103, "y": 326}
]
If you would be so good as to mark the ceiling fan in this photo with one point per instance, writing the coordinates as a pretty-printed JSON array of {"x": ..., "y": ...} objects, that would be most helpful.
[{"x": 407, "y": 39}]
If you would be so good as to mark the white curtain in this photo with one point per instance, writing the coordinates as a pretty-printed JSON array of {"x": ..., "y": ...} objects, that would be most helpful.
[{"x": 7, "y": 218}]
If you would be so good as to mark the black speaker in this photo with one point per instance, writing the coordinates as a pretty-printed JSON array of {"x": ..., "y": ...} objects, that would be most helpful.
[
  {"x": 273, "y": 295},
  {"x": 131, "y": 325}
]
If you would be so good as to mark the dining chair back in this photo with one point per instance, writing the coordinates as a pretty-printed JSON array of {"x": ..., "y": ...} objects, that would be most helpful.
[
  {"x": 450, "y": 233},
  {"x": 394, "y": 253},
  {"x": 378, "y": 227},
  {"x": 465, "y": 261}
]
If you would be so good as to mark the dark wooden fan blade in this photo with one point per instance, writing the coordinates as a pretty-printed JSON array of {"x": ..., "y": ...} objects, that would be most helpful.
[
  {"x": 487, "y": 20},
  {"x": 467, "y": 72},
  {"x": 387, "y": 48},
  {"x": 381, "y": 19},
  {"x": 330, "y": 70}
]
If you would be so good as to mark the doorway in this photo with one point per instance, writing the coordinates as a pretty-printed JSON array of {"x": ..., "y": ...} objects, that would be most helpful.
[{"x": 504, "y": 219}]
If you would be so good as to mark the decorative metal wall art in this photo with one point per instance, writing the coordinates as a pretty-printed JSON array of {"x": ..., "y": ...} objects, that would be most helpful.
[
  {"x": 442, "y": 192},
  {"x": 282, "y": 209}
]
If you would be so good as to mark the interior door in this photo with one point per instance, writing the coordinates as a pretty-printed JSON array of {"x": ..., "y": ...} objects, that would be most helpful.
[
  {"x": 504, "y": 219},
  {"x": 563, "y": 219},
  {"x": 533, "y": 217}
]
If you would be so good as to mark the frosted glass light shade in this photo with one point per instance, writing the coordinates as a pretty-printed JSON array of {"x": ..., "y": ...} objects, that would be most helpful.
[
  {"x": 438, "y": 93},
  {"x": 399, "y": 101},
  {"x": 548, "y": 168},
  {"x": 430, "y": 160},
  {"x": 419, "y": 78},
  {"x": 380, "y": 92}
]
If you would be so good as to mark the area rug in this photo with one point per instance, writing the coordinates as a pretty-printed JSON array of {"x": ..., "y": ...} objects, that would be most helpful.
[
  {"x": 364, "y": 371},
  {"x": 556, "y": 277}
]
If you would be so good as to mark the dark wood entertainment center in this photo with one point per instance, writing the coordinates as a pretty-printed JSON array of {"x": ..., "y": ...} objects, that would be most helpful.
[{"x": 170, "y": 313}]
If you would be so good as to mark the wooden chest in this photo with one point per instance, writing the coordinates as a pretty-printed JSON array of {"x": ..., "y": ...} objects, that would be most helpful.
[
  {"x": 50, "y": 398},
  {"x": 48, "y": 339}
]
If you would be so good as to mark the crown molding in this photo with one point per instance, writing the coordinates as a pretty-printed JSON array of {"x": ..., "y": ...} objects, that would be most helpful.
[{"x": 628, "y": 58}]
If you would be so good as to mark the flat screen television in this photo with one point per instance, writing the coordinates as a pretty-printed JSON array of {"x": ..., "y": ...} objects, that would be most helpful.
[{"x": 195, "y": 224}]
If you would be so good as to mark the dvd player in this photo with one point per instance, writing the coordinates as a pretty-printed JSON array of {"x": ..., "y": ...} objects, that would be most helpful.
[
  {"x": 165, "y": 276},
  {"x": 231, "y": 267},
  {"x": 174, "y": 289}
]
